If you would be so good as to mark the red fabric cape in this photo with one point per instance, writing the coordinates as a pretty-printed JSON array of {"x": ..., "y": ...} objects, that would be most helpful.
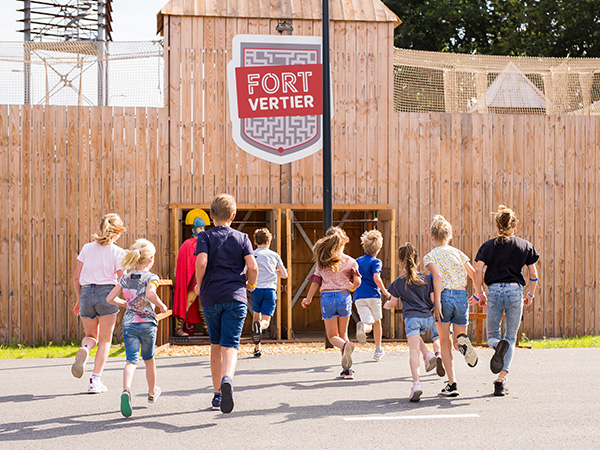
[{"x": 185, "y": 279}]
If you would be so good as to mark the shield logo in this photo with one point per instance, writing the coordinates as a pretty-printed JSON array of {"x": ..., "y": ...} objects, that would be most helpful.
[{"x": 275, "y": 96}]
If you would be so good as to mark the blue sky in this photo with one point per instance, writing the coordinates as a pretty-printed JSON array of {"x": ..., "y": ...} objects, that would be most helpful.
[{"x": 133, "y": 20}]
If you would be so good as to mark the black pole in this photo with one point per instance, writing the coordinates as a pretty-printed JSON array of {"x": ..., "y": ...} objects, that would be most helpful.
[{"x": 327, "y": 173}]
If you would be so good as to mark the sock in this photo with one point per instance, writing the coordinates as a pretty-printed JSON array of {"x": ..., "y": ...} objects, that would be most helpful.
[
  {"x": 95, "y": 375},
  {"x": 437, "y": 353}
]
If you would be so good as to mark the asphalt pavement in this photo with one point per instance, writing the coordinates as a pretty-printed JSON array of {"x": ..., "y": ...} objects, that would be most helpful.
[{"x": 298, "y": 402}]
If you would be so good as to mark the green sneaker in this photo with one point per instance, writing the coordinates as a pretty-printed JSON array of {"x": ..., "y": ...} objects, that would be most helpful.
[{"x": 126, "y": 403}]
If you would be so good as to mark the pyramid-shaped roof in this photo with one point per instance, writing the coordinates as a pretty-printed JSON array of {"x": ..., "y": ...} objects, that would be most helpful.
[{"x": 512, "y": 89}]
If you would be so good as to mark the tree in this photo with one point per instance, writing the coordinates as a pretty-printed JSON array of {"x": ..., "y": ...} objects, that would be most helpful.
[{"x": 558, "y": 28}]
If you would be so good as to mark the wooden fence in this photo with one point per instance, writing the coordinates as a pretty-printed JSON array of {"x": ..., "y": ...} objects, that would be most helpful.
[{"x": 61, "y": 169}]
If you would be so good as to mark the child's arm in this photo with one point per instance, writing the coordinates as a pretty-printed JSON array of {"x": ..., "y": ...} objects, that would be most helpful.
[
  {"x": 533, "y": 281},
  {"x": 77, "y": 286},
  {"x": 380, "y": 285},
  {"x": 437, "y": 290},
  {"x": 478, "y": 283},
  {"x": 470, "y": 270},
  {"x": 312, "y": 290},
  {"x": 153, "y": 297},
  {"x": 252, "y": 271},
  {"x": 113, "y": 298},
  {"x": 391, "y": 303},
  {"x": 355, "y": 278},
  {"x": 201, "y": 261},
  {"x": 281, "y": 272}
]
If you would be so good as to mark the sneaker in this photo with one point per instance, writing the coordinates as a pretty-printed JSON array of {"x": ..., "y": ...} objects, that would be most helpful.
[
  {"x": 497, "y": 361},
  {"x": 126, "y": 403},
  {"x": 226, "y": 395},
  {"x": 78, "y": 367},
  {"x": 361, "y": 336},
  {"x": 216, "y": 401},
  {"x": 256, "y": 332},
  {"x": 379, "y": 352},
  {"x": 500, "y": 389},
  {"x": 415, "y": 393},
  {"x": 466, "y": 348},
  {"x": 347, "y": 374},
  {"x": 153, "y": 398},
  {"x": 257, "y": 353},
  {"x": 431, "y": 363},
  {"x": 347, "y": 355},
  {"x": 439, "y": 367},
  {"x": 96, "y": 386},
  {"x": 450, "y": 390}
]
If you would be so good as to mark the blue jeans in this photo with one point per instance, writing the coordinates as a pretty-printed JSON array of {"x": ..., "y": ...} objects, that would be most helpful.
[
  {"x": 136, "y": 336},
  {"x": 225, "y": 322},
  {"x": 507, "y": 299},
  {"x": 455, "y": 306},
  {"x": 336, "y": 304}
]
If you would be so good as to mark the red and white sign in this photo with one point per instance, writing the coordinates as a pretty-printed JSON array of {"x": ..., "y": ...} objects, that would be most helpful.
[{"x": 275, "y": 88}]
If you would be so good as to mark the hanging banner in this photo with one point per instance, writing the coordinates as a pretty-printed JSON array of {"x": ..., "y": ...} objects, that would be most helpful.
[{"x": 276, "y": 96}]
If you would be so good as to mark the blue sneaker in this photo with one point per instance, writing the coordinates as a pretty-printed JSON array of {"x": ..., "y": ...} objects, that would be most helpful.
[
  {"x": 216, "y": 401},
  {"x": 226, "y": 395}
]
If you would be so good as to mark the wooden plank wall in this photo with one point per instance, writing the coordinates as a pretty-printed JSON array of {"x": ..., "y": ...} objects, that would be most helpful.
[
  {"x": 544, "y": 167},
  {"x": 61, "y": 169}
]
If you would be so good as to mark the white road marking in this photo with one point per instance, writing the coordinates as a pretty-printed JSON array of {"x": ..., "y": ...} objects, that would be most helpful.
[{"x": 431, "y": 416}]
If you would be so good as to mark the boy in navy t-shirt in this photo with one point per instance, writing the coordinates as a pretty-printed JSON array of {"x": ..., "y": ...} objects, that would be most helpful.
[
  {"x": 222, "y": 256},
  {"x": 367, "y": 296}
]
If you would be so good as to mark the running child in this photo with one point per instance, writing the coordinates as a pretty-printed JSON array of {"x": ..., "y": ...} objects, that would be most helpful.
[
  {"x": 367, "y": 296},
  {"x": 264, "y": 297},
  {"x": 416, "y": 292},
  {"x": 449, "y": 268},
  {"x": 140, "y": 323},
  {"x": 337, "y": 275},
  {"x": 97, "y": 272},
  {"x": 222, "y": 254}
]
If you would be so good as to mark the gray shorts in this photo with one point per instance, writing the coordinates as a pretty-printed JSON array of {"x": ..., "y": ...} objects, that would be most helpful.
[{"x": 92, "y": 301}]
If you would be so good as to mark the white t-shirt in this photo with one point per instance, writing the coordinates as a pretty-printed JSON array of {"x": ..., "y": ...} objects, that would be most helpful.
[
  {"x": 267, "y": 261},
  {"x": 100, "y": 263}
]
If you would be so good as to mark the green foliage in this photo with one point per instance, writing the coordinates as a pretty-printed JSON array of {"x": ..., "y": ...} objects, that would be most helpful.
[
  {"x": 574, "y": 342},
  {"x": 553, "y": 28},
  {"x": 66, "y": 350}
]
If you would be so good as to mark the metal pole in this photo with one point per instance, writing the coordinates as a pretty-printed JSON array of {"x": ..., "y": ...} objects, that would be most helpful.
[
  {"x": 327, "y": 173},
  {"x": 101, "y": 43},
  {"x": 27, "y": 52}
]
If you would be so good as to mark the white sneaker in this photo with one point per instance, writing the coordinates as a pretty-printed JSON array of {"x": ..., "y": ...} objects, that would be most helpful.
[
  {"x": 78, "y": 367},
  {"x": 153, "y": 398},
  {"x": 361, "y": 336},
  {"x": 415, "y": 393},
  {"x": 379, "y": 352},
  {"x": 96, "y": 386}
]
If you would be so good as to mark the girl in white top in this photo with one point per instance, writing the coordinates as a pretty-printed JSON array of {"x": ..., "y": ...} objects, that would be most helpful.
[{"x": 97, "y": 273}]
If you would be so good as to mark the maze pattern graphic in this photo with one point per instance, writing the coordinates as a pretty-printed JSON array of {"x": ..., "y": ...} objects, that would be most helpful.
[{"x": 280, "y": 133}]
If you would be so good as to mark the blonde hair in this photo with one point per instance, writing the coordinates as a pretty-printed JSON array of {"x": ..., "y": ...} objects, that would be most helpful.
[
  {"x": 111, "y": 226},
  {"x": 223, "y": 207},
  {"x": 141, "y": 251},
  {"x": 327, "y": 252},
  {"x": 407, "y": 255},
  {"x": 441, "y": 230},
  {"x": 371, "y": 241},
  {"x": 262, "y": 236},
  {"x": 506, "y": 221}
]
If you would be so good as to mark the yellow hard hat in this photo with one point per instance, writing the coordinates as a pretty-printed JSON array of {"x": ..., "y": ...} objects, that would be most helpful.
[{"x": 190, "y": 218}]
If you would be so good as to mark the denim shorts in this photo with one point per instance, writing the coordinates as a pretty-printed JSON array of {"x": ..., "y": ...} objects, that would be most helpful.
[
  {"x": 420, "y": 325},
  {"x": 225, "y": 322},
  {"x": 336, "y": 304},
  {"x": 92, "y": 301},
  {"x": 136, "y": 336},
  {"x": 455, "y": 306},
  {"x": 263, "y": 301}
]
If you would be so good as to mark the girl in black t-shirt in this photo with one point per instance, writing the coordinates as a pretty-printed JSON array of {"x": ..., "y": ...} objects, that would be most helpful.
[{"x": 505, "y": 256}]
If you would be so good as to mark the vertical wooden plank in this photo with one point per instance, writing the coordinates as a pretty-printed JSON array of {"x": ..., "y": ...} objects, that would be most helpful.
[
  {"x": 463, "y": 231},
  {"x": 549, "y": 298},
  {"x": 176, "y": 54},
  {"x": 142, "y": 175},
  {"x": 362, "y": 115},
  {"x": 129, "y": 207},
  {"x": 153, "y": 183},
  {"x": 107, "y": 166},
  {"x": 198, "y": 110},
  {"x": 434, "y": 166},
  {"x": 187, "y": 54},
  {"x": 456, "y": 166},
  {"x": 27, "y": 218},
  {"x": 221, "y": 175},
  {"x": 279, "y": 243},
  {"x": 384, "y": 125},
  {"x": 413, "y": 155},
  {"x": 403, "y": 173},
  {"x": 423, "y": 181},
  {"x": 446, "y": 166},
  {"x": 596, "y": 186},
  {"x": 476, "y": 229},
  {"x": 580, "y": 225},
  {"x": 38, "y": 225},
  {"x": 539, "y": 198},
  {"x": 96, "y": 182},
  {"x": 559, "y": 214},
  {"x": 15, "y": 219},
  {"x": 73, "y": 245},
  {"x": 5, "y": 236},
  {"x": 163, "y": 193},
  {"x": 350, "y": 156},
  {"x": 63, "y": 285},
  {"x": 49, "y": 206},
  {"x": 590, "y": 267},
  {"x": 83, "y": 175},
  {"x": 118, "y": 149},
  {"x": 210, "y": 114},
  {"x": 529, "y": 210},
  {"x": 340, "y": 127},
  {"x": 288, "y": 252}
]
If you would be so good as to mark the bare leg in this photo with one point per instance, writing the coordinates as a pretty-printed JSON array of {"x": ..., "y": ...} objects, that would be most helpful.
[
  {"x": 228, "y": 361},
  {"x": 215, "y": 366},
  {"x": 151, "y": 375},
  {"x": 343, "y": 327},
  {"x": 377, "y": 333},
  {"x": 333, "y": 334},
  {"x": 368, "y": 328},
  {"x": 414, "y": 344},
  {"x": 106, "y": 327},
  {"x": 91, "y": 332},
  {"x": 265, "y": 321},
  {"x": 128, "y": 374},
  {"x": 446, "y": 349},
  {"x": 436, "y": 346}
]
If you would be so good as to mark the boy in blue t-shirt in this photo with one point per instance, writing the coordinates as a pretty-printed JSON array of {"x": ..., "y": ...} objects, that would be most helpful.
[
  {"x": 367, "y": 296},
  {"x": 222, "y": 255}
]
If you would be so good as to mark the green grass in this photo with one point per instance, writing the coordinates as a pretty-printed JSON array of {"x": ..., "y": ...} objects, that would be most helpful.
[
  {"x": 67, "y": 350},
  {"x": 574, "y": 342}
]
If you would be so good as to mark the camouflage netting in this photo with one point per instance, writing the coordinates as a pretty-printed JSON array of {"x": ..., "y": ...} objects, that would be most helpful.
[{"x": 459, "y": 83}]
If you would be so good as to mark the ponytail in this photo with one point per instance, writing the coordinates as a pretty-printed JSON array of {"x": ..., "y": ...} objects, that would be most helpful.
[
  {"x": 441, "y": 230},
  {"x": 141, "y": 251},
  {"x": 111, "y": 227},
  {"x": 407, "y": 254},
  {"x": 327, "y": 252},
  {"x": 506, "y": 221}
]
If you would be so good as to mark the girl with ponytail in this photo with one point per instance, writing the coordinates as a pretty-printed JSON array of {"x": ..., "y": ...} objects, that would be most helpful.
[
  {"x": 97, "y": 273},
  {"x": 416, "y": 292}
]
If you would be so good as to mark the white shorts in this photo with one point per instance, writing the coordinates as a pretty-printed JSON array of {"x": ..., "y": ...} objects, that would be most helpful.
[{"x": 369, "y": 310}]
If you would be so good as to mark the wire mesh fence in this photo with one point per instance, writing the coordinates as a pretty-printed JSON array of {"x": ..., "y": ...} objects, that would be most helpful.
[
  {"x": 459, "y": 83},
  {"x": 84, "y": 73}
]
